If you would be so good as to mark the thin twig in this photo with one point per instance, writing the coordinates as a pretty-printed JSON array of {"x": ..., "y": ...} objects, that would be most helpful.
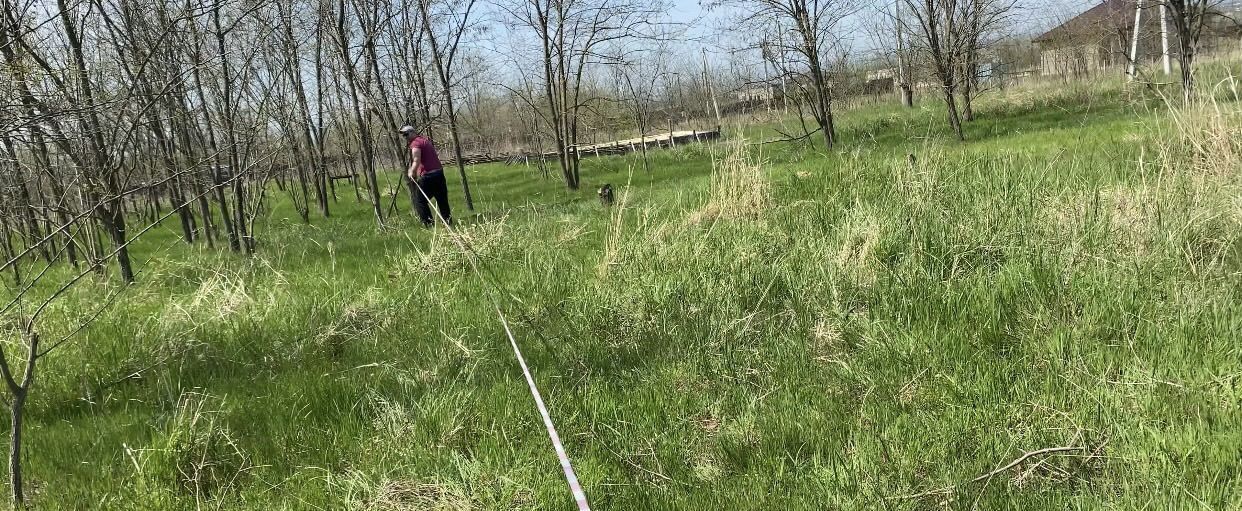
[
  {"x": 991, "y": 474},
  {"x": 792, "y": 139},
  {"x": 1025, "y": 457}
]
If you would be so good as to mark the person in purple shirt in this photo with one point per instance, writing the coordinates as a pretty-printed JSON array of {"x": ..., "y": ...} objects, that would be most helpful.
[{"x": 427, "y": 173}]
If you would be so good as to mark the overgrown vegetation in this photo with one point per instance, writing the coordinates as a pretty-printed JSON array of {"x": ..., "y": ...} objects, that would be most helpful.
[{"x": 748, "y": 327}]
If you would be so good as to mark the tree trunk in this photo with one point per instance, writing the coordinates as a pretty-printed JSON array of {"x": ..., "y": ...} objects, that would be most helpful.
[
  {"x": 364, "y": 131},
  {"x": 225, "y": 216},
  {"x": 216, "y": 183},
  {"x": 183, "y": 209},
  {"x": 37, "y": 134},
  {"x": 444, "y": 65},
  {"x": 25, "y": 207},
  {"x": 9, "y": 253},
  {"x": 243, "y": 242},
  {"x": 16, "y": 412},
  {"x": 968, "y": 110},
  {"x": 322, "y": 181},
  {"x": 400, "y": 151},
  {"x": 171, "y": 174},
  {"x": 114, "y": 223},
  {"x": 196, "y": 176},
  {"x": 822, "y": 109},
  {"x": 826, "y": 125},
  {"x": 304, "y": 209},
  {"x": 43, "y": 160},
  {"x": 305, "y": 148},
  {"x": 955, "y": 121},
  {"x": 556, "y": 100},
  {"x": 970, "y": 66},
  {"x": 18, "y": 391},
  {"x": 346, "y": 155},
  {"x": 461, "y": 161},
  {"x": 112, "y": 209},
  {"x": 1183, "y": 14},
  {"x": 243, "y": 232}
]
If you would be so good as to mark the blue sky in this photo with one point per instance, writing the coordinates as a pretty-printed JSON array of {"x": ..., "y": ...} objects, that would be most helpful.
[
  {"x": 1032, "y": 16},
  {"x": 707, "y": 29}
]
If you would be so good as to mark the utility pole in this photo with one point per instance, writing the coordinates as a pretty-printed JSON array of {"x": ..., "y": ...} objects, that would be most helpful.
[
  {"x": 711, "y": 91},
  {"x": 780, "y": 46},
  {"x": 1138, "y": 20},
  {"x": 1164, "y": 39},
  {"x": 903, "y": 81}
]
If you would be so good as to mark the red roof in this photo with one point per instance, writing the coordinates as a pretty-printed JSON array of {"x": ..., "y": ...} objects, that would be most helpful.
[{"x": 1102, "y": 20}]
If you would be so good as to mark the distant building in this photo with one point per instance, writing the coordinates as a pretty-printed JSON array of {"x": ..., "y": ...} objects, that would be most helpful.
[
  {"x": 880, "y": 81},
  {"x": 753, "y": 97},
  {"x": 1091, "y": 41},
  {"x": 881, "y": 74},
  {"x": 758, "y": 93},
  {"x": 1101, "y": 37}
]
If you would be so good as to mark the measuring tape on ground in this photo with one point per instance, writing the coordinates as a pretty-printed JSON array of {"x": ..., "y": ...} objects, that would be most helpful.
[{"x": 570, "y": 476}]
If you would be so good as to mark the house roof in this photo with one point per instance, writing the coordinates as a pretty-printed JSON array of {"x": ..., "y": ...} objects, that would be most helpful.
[{"x": 1104, "y": 18}]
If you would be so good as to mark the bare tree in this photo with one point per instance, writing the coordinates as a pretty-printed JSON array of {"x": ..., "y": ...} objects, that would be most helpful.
[
  {"x": 208, "y": 126},
  {"x": 410, "y": 93},
  {"x": 304, "y": 142},
  {"x": 814, "y": 41},
  {"x": 982, "y": 22},
  {"x": 953, "y": 35},
  {"x": 344, "y": 48},
  {"x": 569, "y": 35},
  {"x": 640, "y": 81},
  {"x": 904, "y": 57},
  {"x": 940, "y": 26},
  {"x": 889, "y": 29},
  {"x": 62, "y": 97},
  {"x": 1191, "y": 19},
  {"x": 455, "y": 18}
]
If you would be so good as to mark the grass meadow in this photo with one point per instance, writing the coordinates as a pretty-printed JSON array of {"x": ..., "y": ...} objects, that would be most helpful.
[{"x": 751, "y": 326}]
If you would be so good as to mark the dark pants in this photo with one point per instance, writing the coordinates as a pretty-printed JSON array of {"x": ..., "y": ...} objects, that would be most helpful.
[{"x": 433, "y": 186}]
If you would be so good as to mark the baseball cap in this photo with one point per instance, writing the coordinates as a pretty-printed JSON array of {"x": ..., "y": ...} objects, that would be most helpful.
[{"x": 406, "y": 129}]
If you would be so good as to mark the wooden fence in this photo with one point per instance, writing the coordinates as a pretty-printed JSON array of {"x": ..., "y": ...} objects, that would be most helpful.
[{"x": 662, "y": 140}]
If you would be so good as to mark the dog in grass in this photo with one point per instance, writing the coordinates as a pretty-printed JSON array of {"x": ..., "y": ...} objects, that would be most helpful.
[{"x": 605, "y": 195}]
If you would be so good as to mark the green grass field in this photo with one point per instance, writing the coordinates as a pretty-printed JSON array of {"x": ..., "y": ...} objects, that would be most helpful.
[{"x": 750, "y": 327}]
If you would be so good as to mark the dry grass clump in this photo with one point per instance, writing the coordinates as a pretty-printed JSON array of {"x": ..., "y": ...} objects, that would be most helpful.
[
  {"x": 391, "y": 494},
  {"x": 1187, "y": 205},
  {"x": 219, "y": 297},
  {"x": 740, "y": 187},
  {"x": 223, "y": 293},
  {"x": 360, "y": 319},
  {"x": 826, "y": 340},
  {"x": 706, "y": 465},
  {"x": 615, "y": 242},
  {"x": 1126, "y": 217},
  {"x": 917, "y": 180},
  {"x": 197, "y": 455},
  {"x": 400, "y": 495},
  {"x": 858, "y": 239},
  {"x": 1206, "y": 138},
  {"x": 445, "y": 253},
  {"x": 390, "y": 419}
]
